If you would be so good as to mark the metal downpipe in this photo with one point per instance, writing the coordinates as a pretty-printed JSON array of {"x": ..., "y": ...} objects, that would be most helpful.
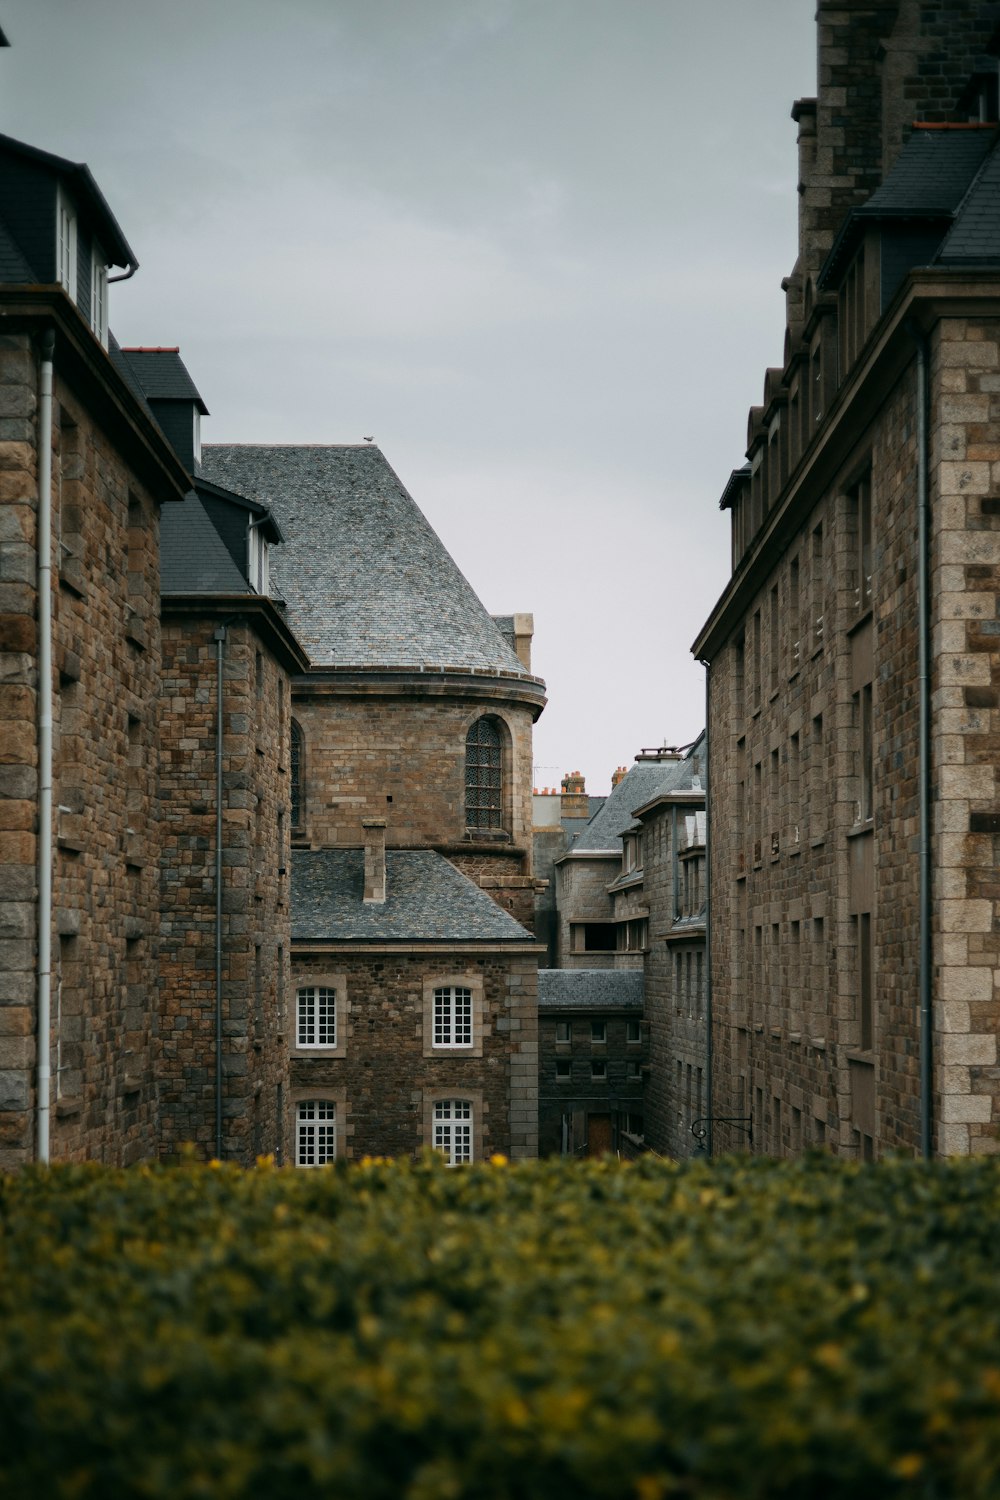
[
  {"x": 44, "y": 1071},
  {"x": 708, "y": 928},
  {"x": 220, "y": 640}
]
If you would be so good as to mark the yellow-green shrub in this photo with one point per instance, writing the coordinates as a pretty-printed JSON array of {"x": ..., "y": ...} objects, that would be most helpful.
[{"x": 729, "y": 1330}]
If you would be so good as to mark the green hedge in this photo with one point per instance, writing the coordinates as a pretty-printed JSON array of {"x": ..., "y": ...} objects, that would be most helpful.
[{"x": 382, "y": 1332}]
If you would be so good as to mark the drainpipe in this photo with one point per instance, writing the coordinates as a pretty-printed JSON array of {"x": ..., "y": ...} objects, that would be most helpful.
[
  {"x": 43, "y": 1085},
  {"x": 924, "y": 754},
  {"x": 708, "y": 932},
  {"x": 220, "y": 640}
]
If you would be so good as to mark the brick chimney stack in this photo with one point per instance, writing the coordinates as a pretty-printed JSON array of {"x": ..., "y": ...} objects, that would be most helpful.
[
  {"x": 374, "y": 859},
  {"x": 619, "y": 775},
  {"x": 574, "y": 795}
]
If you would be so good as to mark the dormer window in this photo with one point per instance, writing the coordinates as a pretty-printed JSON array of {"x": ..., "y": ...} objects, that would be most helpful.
[
  {"x": 259, "y": 566},
  {"x": 66, "y": 243},
  {"x": 99, "y": 295}
]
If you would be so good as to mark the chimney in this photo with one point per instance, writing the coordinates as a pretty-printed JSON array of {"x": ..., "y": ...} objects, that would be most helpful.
[
  {"x": 374, "y": 859},
  {"x": 574, "y": 795},
  {"x": 619, "y": 775},
  {"x": 524, "y": 629}
]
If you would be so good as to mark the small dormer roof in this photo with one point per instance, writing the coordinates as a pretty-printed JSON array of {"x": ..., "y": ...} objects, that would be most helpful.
[
  {"x": 163, "y": 375},
  {"x": 80, "y": 181}
]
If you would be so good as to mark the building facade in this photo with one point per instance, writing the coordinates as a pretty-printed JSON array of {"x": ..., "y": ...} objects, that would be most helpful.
[
  {"x": 412, "y": 1014},
  {"x": 853, "y": 657}
]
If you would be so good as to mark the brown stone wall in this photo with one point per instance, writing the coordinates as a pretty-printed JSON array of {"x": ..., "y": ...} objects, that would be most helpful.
[
  {"x": 106, "y": 669},
  {"x": 363, "y": 750},
  {"x": 255, "y": 922},
  {"x": 582, "y": 895},
  {"x": 966, "y": 751},
  {"x": 383, "y": 1082},
  {"x": 621, "y": 1092}
]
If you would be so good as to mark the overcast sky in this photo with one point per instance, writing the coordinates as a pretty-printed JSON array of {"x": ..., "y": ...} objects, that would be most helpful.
[{"x": 534, "y": 246}]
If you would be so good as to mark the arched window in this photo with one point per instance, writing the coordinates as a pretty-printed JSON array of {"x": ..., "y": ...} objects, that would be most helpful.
[
  {"x": 298, "y": 798},
  {"x": 484, "y": 775},
  {"x": 315, "y": 1132}
]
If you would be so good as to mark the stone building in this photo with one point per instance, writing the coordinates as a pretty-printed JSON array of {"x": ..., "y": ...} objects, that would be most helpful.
[
  {"x": 224, "y": 948},
  {"x": 671, "y": 838},
  {"x": 558, "y": 816},
  {"x": 593, "y": 1056},
  {"x": 854, "y": 659},
  {"x": 84, "y": 470},
  {"x": 411, "y": 740}
]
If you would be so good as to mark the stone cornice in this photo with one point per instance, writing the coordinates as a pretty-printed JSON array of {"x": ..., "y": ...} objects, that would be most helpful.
[
  {"x": 925, "y": 297},
  {"x": 256, "y": 609},
  {"x": 85, "y": 365},
  {"x": 434, "y": 682}
]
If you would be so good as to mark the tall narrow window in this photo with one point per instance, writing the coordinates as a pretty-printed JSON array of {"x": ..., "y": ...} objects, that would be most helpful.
[
  {"x": 453, "y": 1016},
  {"x": 863, "y": 544},
  {"x": 453, "y": 1130},
  {"x": 315, "y": 1132},
  {"x": 818, "y": 589},
  {"x": 865, "y": 754},
  {"x": 297, "y": 790},
  {"x": 775, "y": 623},
  {"x": 484, "y": 776},
  {"x": 794, "y": 621},
  {"x": 66, "y": 244},
  {"x": 316, "y": 1016},
  {"x": 866, "y": 1015}
]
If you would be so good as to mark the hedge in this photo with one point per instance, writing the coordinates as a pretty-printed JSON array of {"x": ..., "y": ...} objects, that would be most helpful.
[{"x": 726, "y": 1330}]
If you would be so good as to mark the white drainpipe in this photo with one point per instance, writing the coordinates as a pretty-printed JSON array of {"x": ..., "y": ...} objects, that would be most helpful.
[{"x": 44, "y": 744}]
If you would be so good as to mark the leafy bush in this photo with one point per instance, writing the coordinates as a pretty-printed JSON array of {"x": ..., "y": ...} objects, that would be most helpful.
[{"x": 728, "y": 1330}]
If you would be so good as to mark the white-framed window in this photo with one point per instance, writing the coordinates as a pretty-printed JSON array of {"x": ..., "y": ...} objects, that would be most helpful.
[
  {"x": 66, "y": 243},
  {"x": 452, "y": 1016},
  {"x": 599, "y": 1070},
  {"x": 315, "y": 1132},
  {"x": 564, "y": 1031},
  {"x": 453, "y": 1130},
  {"x": 315, "y": 1016},
  {"x": 258, "y": 568},
  {"x": 633, "y": 1031},
  {"x": 564, "y": 1070},
  {"x": 598, "y": 1032},
  {"x": 98, "y": 294}
]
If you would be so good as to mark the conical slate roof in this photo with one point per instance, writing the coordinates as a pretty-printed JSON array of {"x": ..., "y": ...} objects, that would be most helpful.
[{"x": 366, "y": 579}]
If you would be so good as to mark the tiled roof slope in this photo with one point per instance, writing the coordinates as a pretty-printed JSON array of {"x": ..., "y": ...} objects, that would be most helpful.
[
  {"x": 163, "y": 376},
  {"x": 590, "y": 989},
  {"x": 367, "y": 581},
  {"x": 974, "y": 238},
  {"x": 646, "y": 779},
  {"x": 427, "y": 900},
  {"x": 14, "y": 269},
  {"x": 931, "y": 174},
  {"x": 193, "y": 557}
]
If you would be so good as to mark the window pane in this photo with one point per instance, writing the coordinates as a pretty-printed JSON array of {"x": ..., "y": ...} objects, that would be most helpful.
[
  {"x": 483, "y": 775},
  {"x": 315, "y": 1132}
]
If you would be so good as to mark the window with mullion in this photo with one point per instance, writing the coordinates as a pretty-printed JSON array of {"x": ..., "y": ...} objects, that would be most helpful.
[
  {"x": 483, "y": 776},
  {"x": 316, "y": 1016},
  {"x": 315, "y": 1132},
  {"x": 453, "y": 1016},
  {"x": 453, "y": 1130}
]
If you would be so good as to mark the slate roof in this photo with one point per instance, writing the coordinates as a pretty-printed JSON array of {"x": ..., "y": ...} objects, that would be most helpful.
[
  {"x": 928, "y": 181},
  {"x": 367, "y": 581},
  {"x": 193, "y": 557},
  {"x": 14, "y": 269},
  {"x": 427, "y": 900},
  {"x": 974, "y": 238},
  {"x": 645, "y": 780},
  {"x": 163, "y": 375},
  {"x": 590, "y": 989},
  {"x": 114, "y": 244}
]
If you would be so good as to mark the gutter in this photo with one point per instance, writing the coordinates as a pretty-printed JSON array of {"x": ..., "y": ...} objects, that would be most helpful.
[{"x": 43, "y": 1086}]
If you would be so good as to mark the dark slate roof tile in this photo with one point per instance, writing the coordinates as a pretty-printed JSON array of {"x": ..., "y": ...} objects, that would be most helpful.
[
  {"x": 931, "y": 175},
  {"x": 14, "y": 269},
  {"x": 163, "y": 375},
  {"x": 974, "y": 238},
  {"x": 590, "y": 989},
  {"x": 367, "y": 581},
  {"x": 427, "y": 900},
  {"x": 645, "y": 780},
  {"x": 193, "y": 557}
]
